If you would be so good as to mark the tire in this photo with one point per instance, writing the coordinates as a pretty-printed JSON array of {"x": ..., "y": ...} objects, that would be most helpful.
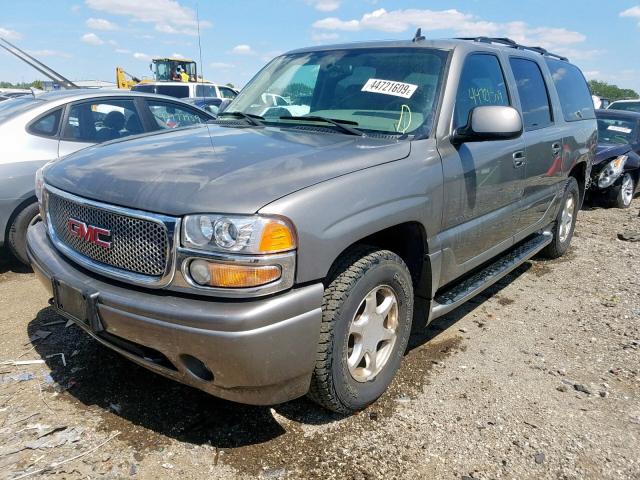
[
  {"x": 18, "y": 231},
  {"x": 624, "y": 192},
  {"x": 364, "y": 272},
  {"x": 562, "y": 236}
]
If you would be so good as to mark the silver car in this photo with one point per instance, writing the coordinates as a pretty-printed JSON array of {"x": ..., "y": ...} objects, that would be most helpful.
[{"x": 37, "y": 129}]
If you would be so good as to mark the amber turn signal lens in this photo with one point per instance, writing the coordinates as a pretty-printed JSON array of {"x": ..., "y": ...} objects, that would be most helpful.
[
  {"x": 276, "y": 237},
  {"x": 232, "y": 276}
]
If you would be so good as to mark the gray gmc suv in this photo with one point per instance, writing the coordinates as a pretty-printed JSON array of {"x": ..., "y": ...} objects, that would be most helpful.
[{"x": 280, "y": 250}]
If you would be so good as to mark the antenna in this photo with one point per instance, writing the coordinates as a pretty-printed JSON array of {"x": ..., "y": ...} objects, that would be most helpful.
[
  {"x": 202, "y": 74},
  {"x": 418, "y": 37}
]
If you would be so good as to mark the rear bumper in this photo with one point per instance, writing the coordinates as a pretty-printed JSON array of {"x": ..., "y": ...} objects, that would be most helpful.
[{"x": 258, "y": 351}]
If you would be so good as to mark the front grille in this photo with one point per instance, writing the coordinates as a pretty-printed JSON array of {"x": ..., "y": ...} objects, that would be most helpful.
[{"x": 137, "y": 245}]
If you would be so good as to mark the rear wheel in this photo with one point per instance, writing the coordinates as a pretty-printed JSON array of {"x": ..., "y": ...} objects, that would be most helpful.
[
  {"x": 18, "y": 231},
  {"x": 366, "y": 322},
  {"x": 624, "y": 194},
  {"x": 565, "y": 222}
]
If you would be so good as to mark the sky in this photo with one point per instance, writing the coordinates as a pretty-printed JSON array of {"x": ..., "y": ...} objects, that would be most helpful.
[{"x": 87, "y": 39}]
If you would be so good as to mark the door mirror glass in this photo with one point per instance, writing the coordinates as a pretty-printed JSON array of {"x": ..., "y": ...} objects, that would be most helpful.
[{"x": 489, "y": 123}]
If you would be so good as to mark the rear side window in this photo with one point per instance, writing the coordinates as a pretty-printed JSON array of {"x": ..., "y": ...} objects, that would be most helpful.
[
  {"x": 206, "y": 91},
  {"x": 177, "y": 91},
  {"x": 572, "y": 89},
  {"x": 47, "y": 125},
  {"x": 481, "y": 83},
  {"x": 534, "y": 97}
]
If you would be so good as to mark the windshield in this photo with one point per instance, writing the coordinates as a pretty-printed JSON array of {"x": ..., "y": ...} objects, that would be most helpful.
[
  {"x": 391, "y": 90},
  {"x": 616, "y": 131},
  {"x": 13, "y": 106},
  {"x": 627, "y": 106}
]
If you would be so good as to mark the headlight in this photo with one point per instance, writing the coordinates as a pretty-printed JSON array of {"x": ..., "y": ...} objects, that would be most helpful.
[
  {"x": 611, "y": 171},
  {"x": 39, "y": 184},
  {"x": 251, "y": 234}
]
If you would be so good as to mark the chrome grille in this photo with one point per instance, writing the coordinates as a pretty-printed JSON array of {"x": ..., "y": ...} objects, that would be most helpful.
[{"x": 137, "y": 245}]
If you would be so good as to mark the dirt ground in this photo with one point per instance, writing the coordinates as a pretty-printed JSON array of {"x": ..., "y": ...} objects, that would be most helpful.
[{"x": 537, "y": 378}]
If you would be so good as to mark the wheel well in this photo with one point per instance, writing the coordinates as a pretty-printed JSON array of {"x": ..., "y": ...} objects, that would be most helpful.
[
  {"x": 579, "y": 172},
  {"x": 15, "y": 213},
  {"x": 408, "y": 241}
]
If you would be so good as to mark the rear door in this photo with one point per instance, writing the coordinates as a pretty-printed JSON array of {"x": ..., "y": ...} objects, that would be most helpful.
[
  {"x": 482, "y": 180},
  {"x": 542, "y": 138}
]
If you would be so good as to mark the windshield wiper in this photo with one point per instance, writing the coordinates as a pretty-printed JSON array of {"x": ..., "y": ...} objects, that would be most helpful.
[
  {"x": 249, "y": 117},
  {"x": 341, "y": 124}
]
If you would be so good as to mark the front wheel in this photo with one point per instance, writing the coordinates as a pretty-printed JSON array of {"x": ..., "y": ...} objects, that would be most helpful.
[
  {"x": 624, "y": 194},
  {"x": 366, "y": 321},
  {"x": 18, "y": 231},
  {"x": 565, "y": 222}
]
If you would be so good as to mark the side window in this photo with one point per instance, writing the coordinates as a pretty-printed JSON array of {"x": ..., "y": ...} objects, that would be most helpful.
[
  {"x": 227, "y": 93},
  {"x": 101, "y": 121},
  {"x": 47, "y": 125},
  {"x": 572, "y": 89},
  {"x": 534, "y": 96},
  {"x": 171, "y": 115},
  {"x": 481, "y": 83}
]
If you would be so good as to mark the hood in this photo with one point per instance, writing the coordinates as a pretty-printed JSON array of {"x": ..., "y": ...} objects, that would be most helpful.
[
  {"x": 606, "y": 151},
  {"x": 235, "y": 170}
]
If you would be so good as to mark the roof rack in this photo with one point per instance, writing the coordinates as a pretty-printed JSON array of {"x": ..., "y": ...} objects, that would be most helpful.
[{"x": 511, "y": 43}]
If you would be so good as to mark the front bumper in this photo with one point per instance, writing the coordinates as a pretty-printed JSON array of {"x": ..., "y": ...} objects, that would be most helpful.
[{"x": 259, "y": 351}]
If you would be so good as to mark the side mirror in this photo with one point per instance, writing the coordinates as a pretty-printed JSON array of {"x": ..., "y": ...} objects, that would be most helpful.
[
  {"x": 223, "y": 105},
  {"x": 489, "y": 123}
]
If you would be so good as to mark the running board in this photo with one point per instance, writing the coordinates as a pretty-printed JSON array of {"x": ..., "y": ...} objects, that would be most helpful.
[{"x": 458, "y": 294}]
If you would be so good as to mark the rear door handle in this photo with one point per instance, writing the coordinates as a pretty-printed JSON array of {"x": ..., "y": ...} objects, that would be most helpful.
[
  {"x": 519, "y": 159},
  {"x": 556, "y": 148}
]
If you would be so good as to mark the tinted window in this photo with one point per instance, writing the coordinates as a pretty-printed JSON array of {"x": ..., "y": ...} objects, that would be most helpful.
[
  {"x": 227, "y": 92},
  {"x": 170, "y": 115},
  {"x": 481, "y": 83},
  {"x": 627, "y": 106},
  {"x": 100, "y": 121},
  {"x": 177, "y": 91},
  {"x": 573, "y": 91},
  {"x": 206, "y": 91},
  {"x": 534, "y": 98},
  {"x": 144, "y": 88},
  {"x": 47, "y": 125}
]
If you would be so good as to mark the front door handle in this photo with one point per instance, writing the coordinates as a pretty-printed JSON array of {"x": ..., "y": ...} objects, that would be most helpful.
[
  {"x": 519, "y": 159},
  {"x": 556, "y": 148}
]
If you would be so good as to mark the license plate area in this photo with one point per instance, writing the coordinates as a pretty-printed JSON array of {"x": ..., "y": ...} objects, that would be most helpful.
[{"x": 76, "y": 305}]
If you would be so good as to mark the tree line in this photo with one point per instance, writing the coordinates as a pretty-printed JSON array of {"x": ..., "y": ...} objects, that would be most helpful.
[{"x": 612, "y": 92}]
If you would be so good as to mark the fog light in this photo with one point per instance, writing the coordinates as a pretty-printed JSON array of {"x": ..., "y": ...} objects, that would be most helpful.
[
  {"x": 225, "y": 275},
  {"x": 199, "y": 270}
]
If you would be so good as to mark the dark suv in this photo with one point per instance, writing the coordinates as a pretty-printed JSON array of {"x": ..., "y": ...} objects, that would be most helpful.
[{"x": 280, "y": 251}]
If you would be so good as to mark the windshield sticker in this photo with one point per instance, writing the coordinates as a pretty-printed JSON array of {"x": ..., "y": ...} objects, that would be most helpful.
[
  {"x": 388, "y": 87},
  {"x": 619, "y": 129}
]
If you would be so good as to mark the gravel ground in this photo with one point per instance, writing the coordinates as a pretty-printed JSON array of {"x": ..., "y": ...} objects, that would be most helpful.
[{"x": 537, "y": 378}]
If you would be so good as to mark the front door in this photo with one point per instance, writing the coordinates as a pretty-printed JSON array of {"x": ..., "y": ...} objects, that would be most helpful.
[{"x": 482, "y": 180}]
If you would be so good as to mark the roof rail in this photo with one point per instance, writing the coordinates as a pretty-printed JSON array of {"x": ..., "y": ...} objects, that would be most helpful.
[{"x": 510, "y": 43}]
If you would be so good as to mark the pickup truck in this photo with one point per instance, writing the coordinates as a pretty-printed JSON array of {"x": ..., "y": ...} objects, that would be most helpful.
[{"x": 282, "y": 249}]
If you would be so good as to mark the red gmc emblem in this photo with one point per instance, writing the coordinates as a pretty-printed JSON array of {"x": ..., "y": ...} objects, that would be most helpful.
[{"x": 89, "y": 233}]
